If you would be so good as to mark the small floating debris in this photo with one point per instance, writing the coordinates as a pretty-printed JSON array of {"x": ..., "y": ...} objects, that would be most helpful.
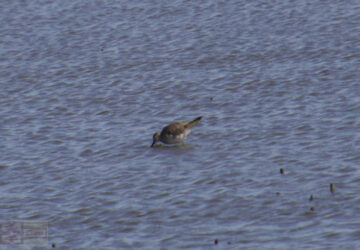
[
  {"x": 312, "y": 209},
  {"x": 104, "y": 112},
  {"x": 216, "y": 241},
  {"x": 311, "y": 198},
  {"x": 332, "y": 189},
  {"x": 53, "y": 245},
  {"x": 281, "y": 171}
]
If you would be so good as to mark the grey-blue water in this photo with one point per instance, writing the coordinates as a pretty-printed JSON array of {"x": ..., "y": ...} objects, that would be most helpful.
[{"x": 85, "y": 84}]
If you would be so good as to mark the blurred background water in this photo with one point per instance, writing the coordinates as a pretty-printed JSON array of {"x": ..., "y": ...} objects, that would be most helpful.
[{"x": 85, "y": 84}]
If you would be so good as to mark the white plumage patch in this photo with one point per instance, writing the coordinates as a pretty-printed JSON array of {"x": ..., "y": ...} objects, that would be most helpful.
[{"x": 171, "y": 139}]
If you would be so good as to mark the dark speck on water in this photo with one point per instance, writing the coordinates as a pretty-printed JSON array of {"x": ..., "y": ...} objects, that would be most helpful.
[
  {"x": 332, "y": 189},
  {"x": 311, "y": 198},
  {"x": 85, "y": 84}
]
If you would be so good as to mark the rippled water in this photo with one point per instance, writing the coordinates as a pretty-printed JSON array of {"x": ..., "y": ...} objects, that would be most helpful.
[{"x": 85, "y": 84}]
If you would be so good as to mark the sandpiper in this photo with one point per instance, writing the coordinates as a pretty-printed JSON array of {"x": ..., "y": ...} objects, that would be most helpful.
[{"x": 175, "y": 132}]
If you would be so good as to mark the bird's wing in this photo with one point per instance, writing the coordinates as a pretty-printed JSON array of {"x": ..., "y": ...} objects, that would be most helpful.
[{"x": 174, "y": 129}]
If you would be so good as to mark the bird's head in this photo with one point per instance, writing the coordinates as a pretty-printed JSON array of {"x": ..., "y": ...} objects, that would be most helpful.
[{"x": 156, "y": 138}]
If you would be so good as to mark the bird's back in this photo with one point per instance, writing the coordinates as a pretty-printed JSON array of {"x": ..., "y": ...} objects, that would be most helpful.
[
  {"x": 176, "y": 132},
  {"x": 174, "y": 128}
]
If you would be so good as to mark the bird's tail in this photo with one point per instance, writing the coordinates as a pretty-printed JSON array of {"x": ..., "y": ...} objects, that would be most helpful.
[{"x": 194, "y": 122}]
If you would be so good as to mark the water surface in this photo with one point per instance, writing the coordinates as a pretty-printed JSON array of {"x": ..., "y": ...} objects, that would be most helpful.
[{"x": 85, "y": 84}]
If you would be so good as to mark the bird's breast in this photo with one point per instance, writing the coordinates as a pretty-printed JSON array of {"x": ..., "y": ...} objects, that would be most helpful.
[{"x": 172, "y": 139}]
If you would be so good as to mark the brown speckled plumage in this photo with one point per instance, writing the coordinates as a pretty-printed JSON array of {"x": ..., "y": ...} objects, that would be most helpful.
[{"x": 175, "y": 132}]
